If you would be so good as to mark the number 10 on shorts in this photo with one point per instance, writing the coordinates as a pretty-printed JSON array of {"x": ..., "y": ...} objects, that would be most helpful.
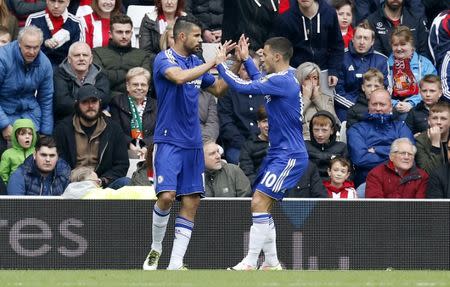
[{"x": 269, "y": 179}]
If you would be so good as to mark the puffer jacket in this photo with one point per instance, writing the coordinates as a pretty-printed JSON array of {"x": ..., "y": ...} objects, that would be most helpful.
[
  {"x": 27, "y": 180},
  {"x": 321, "y": 154},
  {"x": 26, "y": 90},
  {"x": 376, "y": 131},
  {"x": 209, "y": 12}
]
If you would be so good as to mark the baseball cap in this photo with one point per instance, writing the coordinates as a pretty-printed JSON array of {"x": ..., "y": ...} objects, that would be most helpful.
[{"x": 87, "y": 92}]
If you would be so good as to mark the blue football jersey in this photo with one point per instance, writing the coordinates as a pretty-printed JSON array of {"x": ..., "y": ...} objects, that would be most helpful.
[
  {"x": 283, "y": 105},
  {"x": 178, "y": 121}
]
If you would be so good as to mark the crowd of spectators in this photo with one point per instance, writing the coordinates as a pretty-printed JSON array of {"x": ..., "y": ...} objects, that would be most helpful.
[{"x": 77, "y": 98}]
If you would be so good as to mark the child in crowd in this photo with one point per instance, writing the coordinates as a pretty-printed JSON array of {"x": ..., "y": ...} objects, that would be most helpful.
[
  {"x": 323, "y": 145},
  {"x": 5, "y": 37},
  {"x": 344, "y": 10},
  {"x": 338, "y": 186},
  {"x": 372, "y": 80},
  {"x": 23, "y": 139}
]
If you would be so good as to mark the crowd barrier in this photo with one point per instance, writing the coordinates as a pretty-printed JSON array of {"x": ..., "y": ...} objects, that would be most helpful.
[{"x": 311, "y": 234}]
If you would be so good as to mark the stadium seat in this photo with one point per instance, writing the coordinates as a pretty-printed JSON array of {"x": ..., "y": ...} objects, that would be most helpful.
[{"x": 136, "y": 13}]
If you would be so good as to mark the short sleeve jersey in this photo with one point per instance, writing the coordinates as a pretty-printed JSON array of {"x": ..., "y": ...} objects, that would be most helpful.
[{"x": 178, "y": 120}]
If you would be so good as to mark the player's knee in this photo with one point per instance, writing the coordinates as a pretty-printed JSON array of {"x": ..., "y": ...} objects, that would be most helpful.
[{"x": 166, "y": 199}]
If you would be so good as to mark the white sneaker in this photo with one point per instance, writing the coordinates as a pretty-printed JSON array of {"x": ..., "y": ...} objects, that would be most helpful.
[
  {"x": 265, "y": 267},
  {"x": 151, "y": 262},
  {"x": 241, "y": 266}
]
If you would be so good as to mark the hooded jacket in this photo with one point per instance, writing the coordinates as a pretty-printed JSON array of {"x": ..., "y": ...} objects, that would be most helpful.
[
  {"x": 67, "y": 84},
  {"x": 321, "y": 154},
  {"x": 26, "y": 90},
  {"x": 317, "y": 40},
  {"x": 27, "y": 180},
  {"x": 15, "y": 156},
  {"x": 376, "y": 131}
]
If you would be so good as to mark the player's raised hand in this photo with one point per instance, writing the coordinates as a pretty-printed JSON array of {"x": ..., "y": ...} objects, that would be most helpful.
[
  {"x": 221, "y": 53},
  {"x": 242, "y": 47},
  {"x": 229, "y": 45}
]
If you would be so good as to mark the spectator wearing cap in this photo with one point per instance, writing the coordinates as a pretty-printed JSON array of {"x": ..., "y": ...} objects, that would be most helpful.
[
  {"x": 93, "y": 140},
  {"x": 75, "y": 71}
]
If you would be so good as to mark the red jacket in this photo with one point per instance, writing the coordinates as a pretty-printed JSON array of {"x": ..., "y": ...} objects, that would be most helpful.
[{"x": 384, "y": 182}]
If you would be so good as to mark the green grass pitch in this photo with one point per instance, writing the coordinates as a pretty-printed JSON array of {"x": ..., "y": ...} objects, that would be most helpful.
[{"x": 218, "y": 278}]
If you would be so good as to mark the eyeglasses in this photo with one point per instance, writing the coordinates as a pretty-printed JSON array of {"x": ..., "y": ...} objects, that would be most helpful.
[{"x": 404, "y": 153}]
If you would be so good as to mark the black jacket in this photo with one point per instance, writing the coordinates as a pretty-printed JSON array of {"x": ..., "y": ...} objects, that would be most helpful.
[
  {"x": 310, "y": 185},
  {"x": 121, "y": 114},
  {"x": 112, "y": 153},
  {"x": 321, "y": 154},
  {"x": 66, "y": 86},
  {"x": 417, "y": 119},
  {"x": 252, "y": 154},
  {"x": 438, "y": 183},
  {"x": 209, "y": 12},
  {"x": 358, "y": 111}
]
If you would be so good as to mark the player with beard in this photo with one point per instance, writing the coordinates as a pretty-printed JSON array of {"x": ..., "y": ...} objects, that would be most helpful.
[
  {"x": 178, "y": 153},
  {"x": 89, "y": 139}
]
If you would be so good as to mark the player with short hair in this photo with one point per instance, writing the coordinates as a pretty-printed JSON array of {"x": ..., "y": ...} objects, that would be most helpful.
[
  {"x": 287, "y": 158},
  {"x": 179, "y": 163}
]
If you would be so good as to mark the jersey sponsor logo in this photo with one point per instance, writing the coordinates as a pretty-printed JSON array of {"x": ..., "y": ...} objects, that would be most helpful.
[{"x": 196, "y": 83}]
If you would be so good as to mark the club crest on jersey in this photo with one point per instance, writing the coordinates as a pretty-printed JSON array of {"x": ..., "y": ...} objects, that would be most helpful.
[
  {"x": 160, "y": 179},
  {"x": 197, "y": 83}
]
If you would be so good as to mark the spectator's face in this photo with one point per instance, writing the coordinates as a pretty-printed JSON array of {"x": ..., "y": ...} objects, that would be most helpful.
[
  {"x": 137, "y": 88},
  {"x": 57, "y": 7},
  {"x": 338, "y": 173},
  {"x": 369, "y": 86},
  {"x": 90, "y": 109},
  {"x": 345, "y": 17},
  {"x": 264, "y": 128},
  {"x": 25, "y": 138},
  {"x": 430, "y": 92},
  {"x": 322, "y": 133},
  {"x": 312, "y": 79},
  {"x": 46, "y": 159},
  {"x": 441, "y": 120},
  {"x": 380, "y": 103},
  {"x": 394, "y": 4},
  {"x": 212, "y": 156},
  {"x": 5, "y": 39},
  {"x": 403, "y": 159},
  {"x": 169, "y": 6},
  {"x": 401, "y": 49},
  {"x": 193, "y": 40},
  {"x": 362, "y": 40},
  {"x": 106, "y": 6},
  {"x": 80, "y": 58},
  {"x": 120, "y": 34},
  {"x": 30, "y": 45}
]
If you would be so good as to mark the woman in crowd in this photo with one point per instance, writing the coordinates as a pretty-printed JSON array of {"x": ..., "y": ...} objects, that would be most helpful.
[
  {"x": 136, "y": 112},
  {"x": 155, "y": 23},
  {"x": 308, "y": 75},
  {"x": 97, "y": 23},
  {"x": 405, "y": 70}
]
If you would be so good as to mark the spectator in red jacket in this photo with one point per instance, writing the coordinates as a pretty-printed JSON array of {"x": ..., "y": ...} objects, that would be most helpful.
[{"x": 398, "y": 177}]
